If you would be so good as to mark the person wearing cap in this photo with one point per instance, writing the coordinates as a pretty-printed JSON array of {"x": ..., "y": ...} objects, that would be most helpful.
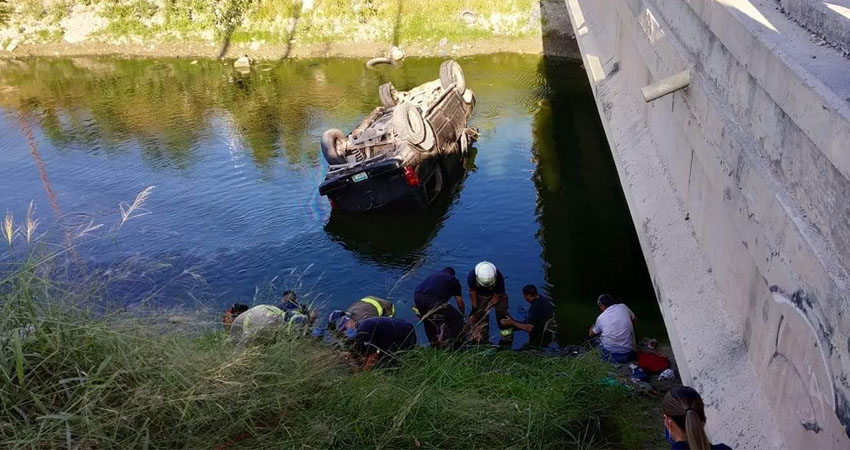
[
  {"x": 486, "y": 292},
  {"x": 365, "y": 308},
  {"x": 540, "y": 322},
  {"x": 378, "y": 340},
  {"x": 443, "y": 323},
  {"x": 615, "y": 328}
]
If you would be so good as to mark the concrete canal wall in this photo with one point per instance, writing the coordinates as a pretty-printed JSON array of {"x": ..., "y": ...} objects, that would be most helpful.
[{"x": 739, "y": 187}]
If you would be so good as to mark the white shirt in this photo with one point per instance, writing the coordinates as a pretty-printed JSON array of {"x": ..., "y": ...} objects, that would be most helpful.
[{"x": 615, "y": 326}]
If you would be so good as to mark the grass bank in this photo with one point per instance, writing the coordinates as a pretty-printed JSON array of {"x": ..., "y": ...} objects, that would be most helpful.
[
  {"x": 72, "y": 377},
  {"x": 274, "y": 28}
]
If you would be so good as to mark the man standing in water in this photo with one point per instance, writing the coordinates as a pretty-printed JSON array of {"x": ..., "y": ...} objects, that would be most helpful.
[
  {"x": 540, "y": 322},
  {"x": 443, "y": 323},
  {"x": 487, "y": 291}
]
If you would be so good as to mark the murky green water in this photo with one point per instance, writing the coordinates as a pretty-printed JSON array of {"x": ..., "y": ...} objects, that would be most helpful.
[{"x": 236, "y": 164}]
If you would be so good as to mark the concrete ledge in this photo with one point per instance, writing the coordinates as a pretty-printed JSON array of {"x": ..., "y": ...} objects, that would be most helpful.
[
  {"x": 691, "y": 302},
  {"x": 828, "y": 20},
  {"x": 753, "y": 153}
]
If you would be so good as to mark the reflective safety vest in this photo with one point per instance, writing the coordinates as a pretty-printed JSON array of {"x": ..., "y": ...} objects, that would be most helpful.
[
  {"x": 265, "y": 310},
  {"x": 378, "y": 307}
]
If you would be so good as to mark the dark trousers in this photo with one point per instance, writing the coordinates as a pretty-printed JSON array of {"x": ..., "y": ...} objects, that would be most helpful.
[
  {"x": 479, "y": 322},
  {"x": 443, "y": 323}
]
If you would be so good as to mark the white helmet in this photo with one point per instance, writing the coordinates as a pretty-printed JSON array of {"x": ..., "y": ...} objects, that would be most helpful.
[{"x": 485, "y": 274}]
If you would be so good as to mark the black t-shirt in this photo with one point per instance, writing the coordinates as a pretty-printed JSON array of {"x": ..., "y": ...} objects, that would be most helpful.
[
  {"x": 442, "y": 286},
  {"x": 386, "y": 334},
  {"x": 498, "y": 288},
  {"x": 540, "y": 312}
]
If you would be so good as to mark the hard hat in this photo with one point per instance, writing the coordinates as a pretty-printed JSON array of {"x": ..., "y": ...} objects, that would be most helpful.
[{"x": 485, "y": 274}]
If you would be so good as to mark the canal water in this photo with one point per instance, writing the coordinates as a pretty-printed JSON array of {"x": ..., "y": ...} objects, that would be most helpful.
[{"x": 234, "y": 159}]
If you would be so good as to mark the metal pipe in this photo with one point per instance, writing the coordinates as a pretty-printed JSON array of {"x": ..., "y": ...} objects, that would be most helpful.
[{"x": 666, "y": 86}]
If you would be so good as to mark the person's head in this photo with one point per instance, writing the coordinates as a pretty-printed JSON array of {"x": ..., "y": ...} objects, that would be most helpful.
[
  {"x": 485, "y": 274},
  {"x": 449, "y": 270},
  {"x": 604, "y": 301},
  {"x": 529, "y": 292},
  {"x": 684, "y": 417}
]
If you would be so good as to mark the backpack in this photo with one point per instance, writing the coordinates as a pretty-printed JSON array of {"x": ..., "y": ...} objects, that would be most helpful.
[{"x": 652, "y": 362}]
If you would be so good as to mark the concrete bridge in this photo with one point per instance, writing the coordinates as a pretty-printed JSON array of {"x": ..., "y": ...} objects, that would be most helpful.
[{"x": 739, "y": 187}]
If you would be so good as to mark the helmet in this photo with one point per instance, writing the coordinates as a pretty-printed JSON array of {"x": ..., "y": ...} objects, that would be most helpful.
[{"x": 485, "y": 274}]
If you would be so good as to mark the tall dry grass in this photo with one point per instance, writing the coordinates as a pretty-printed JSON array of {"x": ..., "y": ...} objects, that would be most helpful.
[{"x": 76, "y": 374}]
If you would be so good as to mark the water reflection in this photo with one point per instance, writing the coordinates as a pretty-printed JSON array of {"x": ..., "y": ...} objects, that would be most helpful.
[
  {"x": 588, "y": 239},
  {"x": 393, "y": 240},
  {"x": 236, "y": 164}
]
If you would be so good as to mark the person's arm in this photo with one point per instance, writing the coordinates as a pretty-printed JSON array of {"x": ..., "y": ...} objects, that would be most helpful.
[
  {"x": 460, "y": 305},
  {"x": 595, "y": 329},
  {"x": 495, "y": 301},
  {"x": 473, "y": 299},
  {"x": 509, "y": 321},
  {"x": 370, "y": 360}
]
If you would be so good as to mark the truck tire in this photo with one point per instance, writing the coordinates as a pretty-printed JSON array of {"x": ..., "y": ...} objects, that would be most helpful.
[
  {"x": 464, "y": 145},
  {"x": 450, "y": 72},
  {"x": 385, "y": 91},
  {"x": 408, "y": 123},
  {"x": 333, "y": 146},
  {"x": 374, "y": 62}
]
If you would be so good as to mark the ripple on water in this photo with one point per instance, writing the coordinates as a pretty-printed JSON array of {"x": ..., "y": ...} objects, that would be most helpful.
[{"x": 236, "y": 164}]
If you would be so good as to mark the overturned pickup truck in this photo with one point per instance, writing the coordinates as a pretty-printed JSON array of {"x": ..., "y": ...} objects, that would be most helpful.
[{"x": 403, "y": 154}]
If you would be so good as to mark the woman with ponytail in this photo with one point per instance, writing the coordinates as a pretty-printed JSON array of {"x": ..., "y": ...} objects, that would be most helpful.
[{"x": 684, "y": 419}]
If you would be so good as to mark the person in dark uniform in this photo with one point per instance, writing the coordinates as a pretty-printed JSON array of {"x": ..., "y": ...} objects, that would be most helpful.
[
  {"x": 486, "y": 292},
  {"x": 443, "y": 323},
  {"x": 540, "y": 323},
  {"x": 378, "y": 340},
  {"x": 365, "y": 308}
]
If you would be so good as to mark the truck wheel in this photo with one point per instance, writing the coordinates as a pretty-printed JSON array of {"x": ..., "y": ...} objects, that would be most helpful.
[
  {"x": 450, "y": 72},
  {"x": 468, "y": 97},
  {"x": 464, "y": 144},
  {"x": 408, "y": 123},
  {"x": 385, "y": 91},
  {"x": 333, "y": 146}
]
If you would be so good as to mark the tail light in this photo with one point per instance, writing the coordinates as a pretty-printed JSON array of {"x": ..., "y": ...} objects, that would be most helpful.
[{"x": 410, "y": 176}]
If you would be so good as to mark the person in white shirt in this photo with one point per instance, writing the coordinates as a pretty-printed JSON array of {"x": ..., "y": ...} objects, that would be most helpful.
[{"x": 615, "y": 328}]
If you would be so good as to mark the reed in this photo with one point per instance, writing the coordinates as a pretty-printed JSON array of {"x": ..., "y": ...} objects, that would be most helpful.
[
  {"x": 78, "y": 373},
  {"x": 74, "y": 377},
  {"x": 8, "y": 228}
]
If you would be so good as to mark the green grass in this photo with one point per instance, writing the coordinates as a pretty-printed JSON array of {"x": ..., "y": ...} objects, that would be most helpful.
[
  {"x": 329, "y": 21},
  {"x": 71, "y": 377}
]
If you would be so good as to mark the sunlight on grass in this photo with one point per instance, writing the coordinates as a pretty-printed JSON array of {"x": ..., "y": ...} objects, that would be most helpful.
[{"x": 281, "y": 21}]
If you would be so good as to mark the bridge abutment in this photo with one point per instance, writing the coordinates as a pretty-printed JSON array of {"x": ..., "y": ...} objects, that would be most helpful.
[{"x": 739, "y": 187}]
